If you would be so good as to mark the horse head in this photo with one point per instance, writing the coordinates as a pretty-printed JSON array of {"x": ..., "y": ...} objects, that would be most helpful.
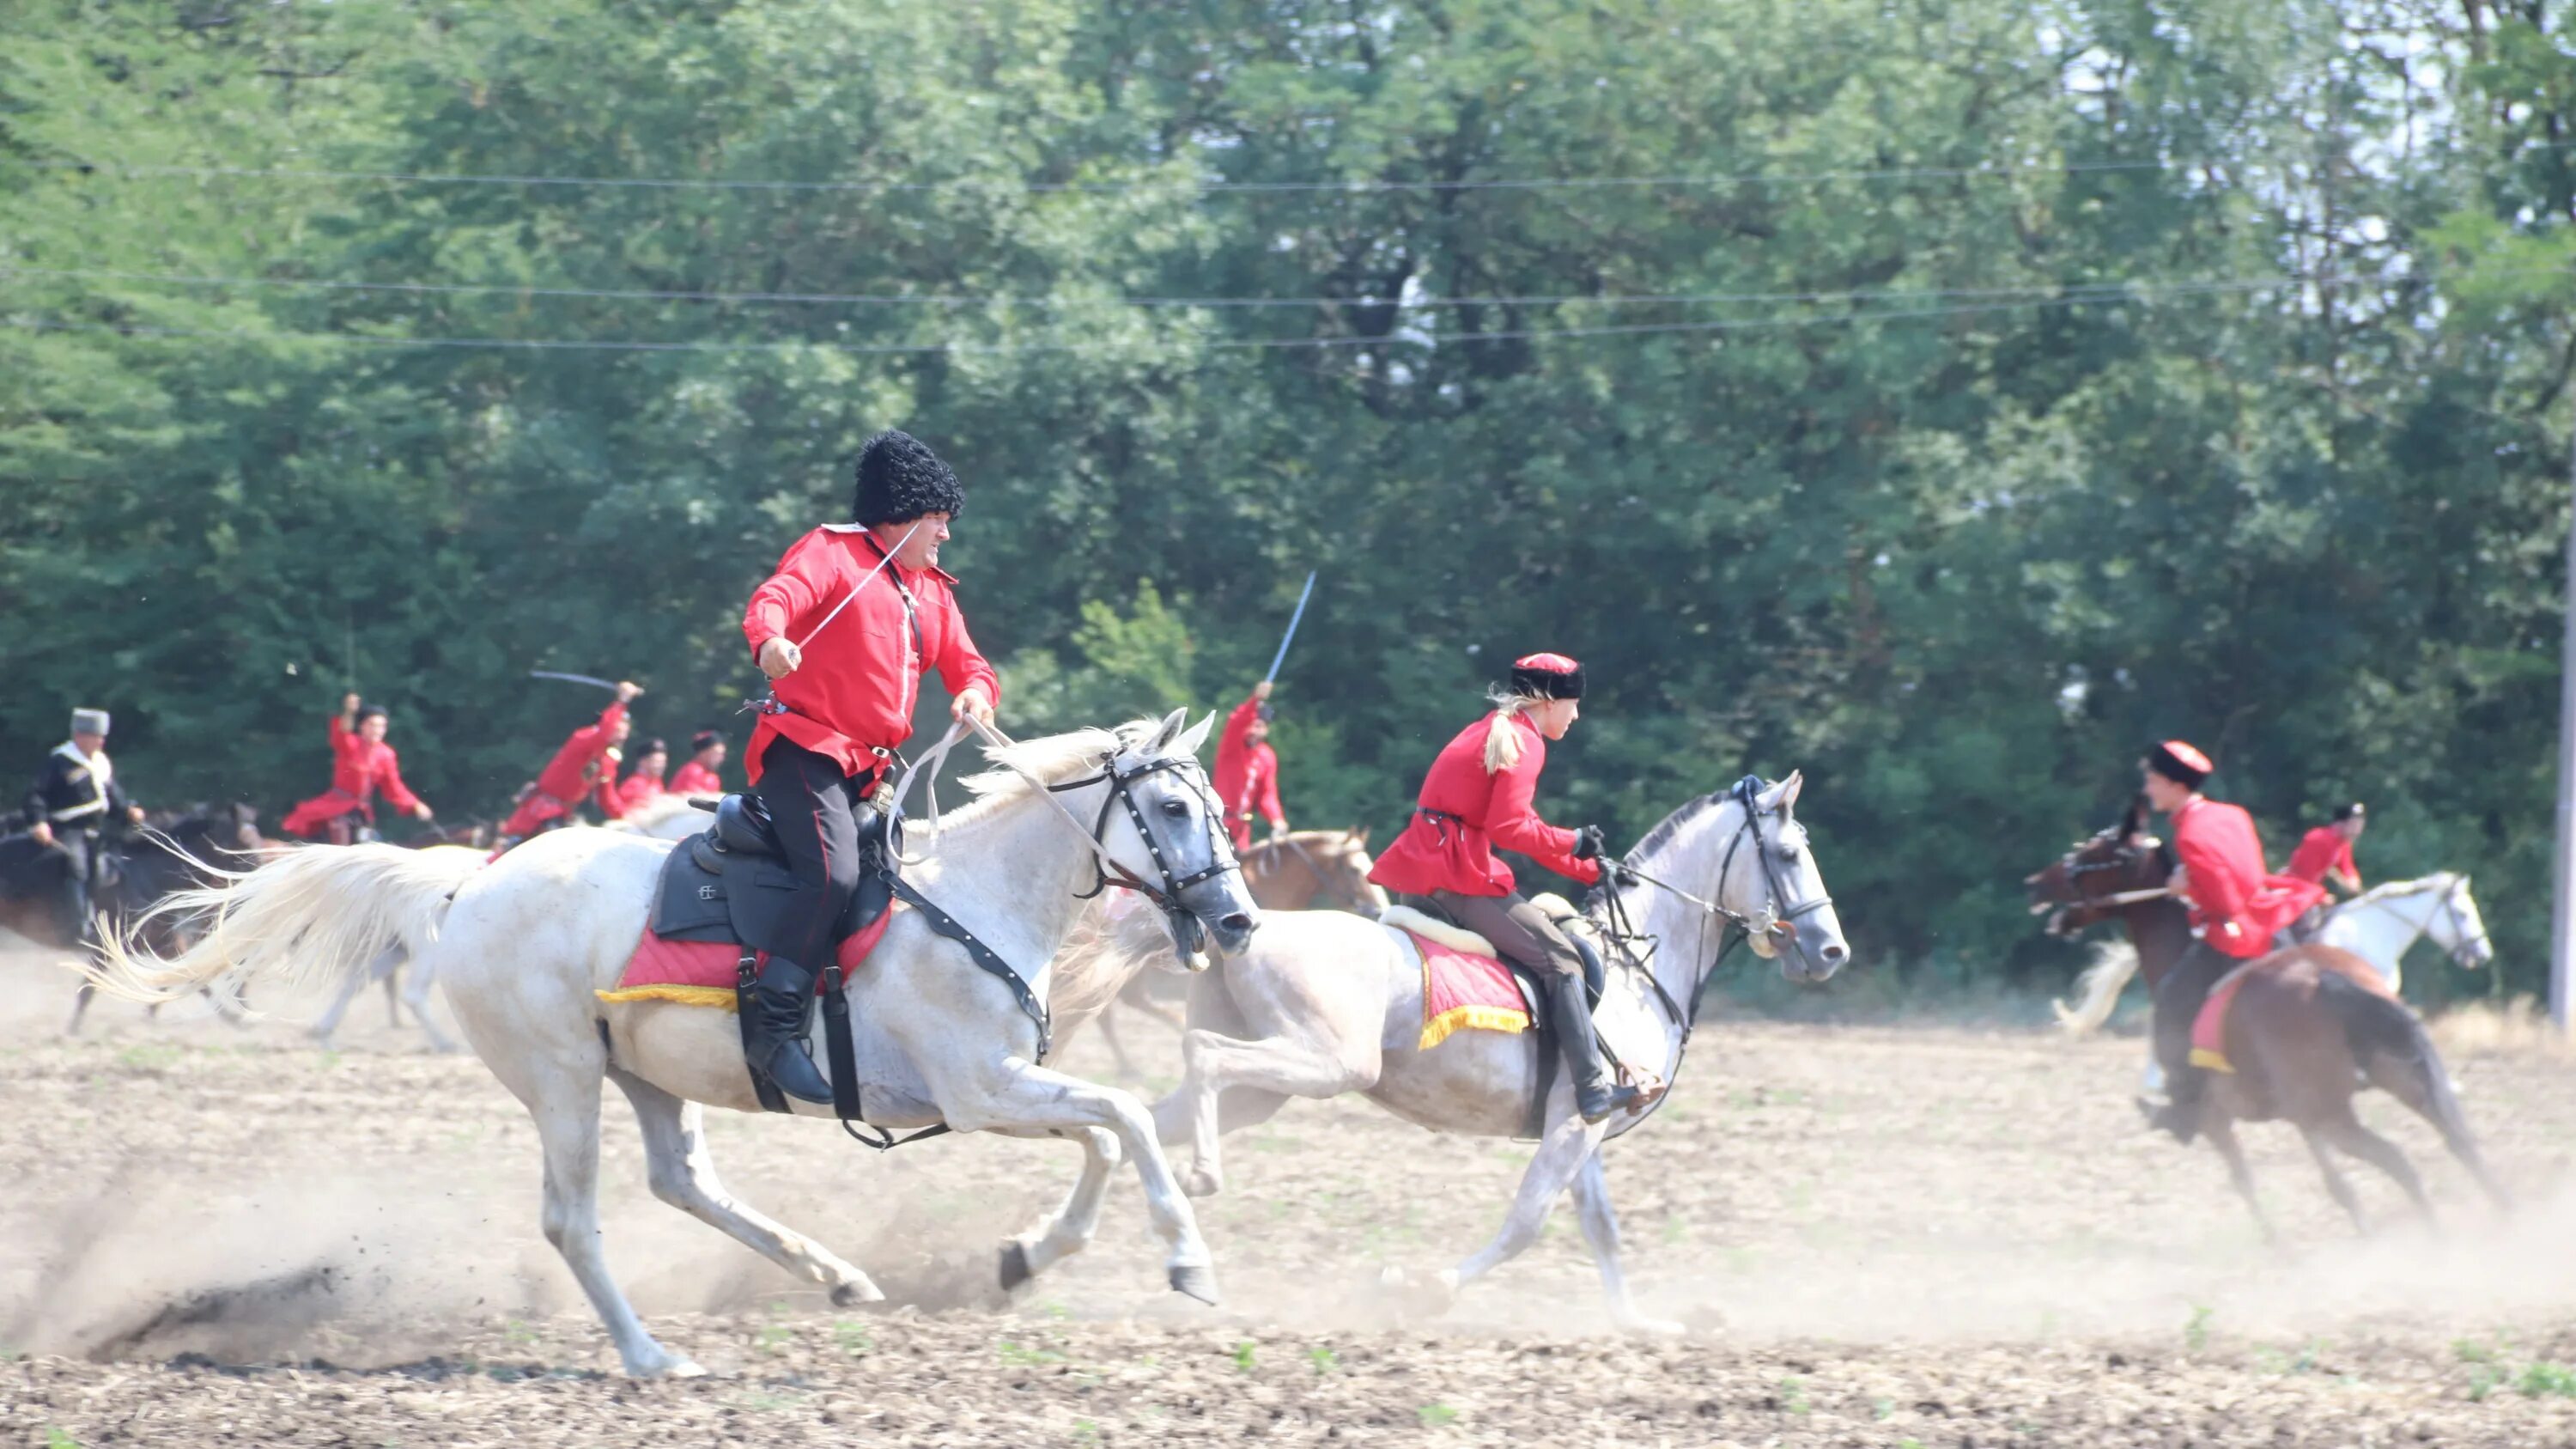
[
  {"x": 1170, "y": 839},
  {"x": 1794, "y": 910},
  {"x": 2461, "y": 929},
  {"x": 2072, "y": 890}
]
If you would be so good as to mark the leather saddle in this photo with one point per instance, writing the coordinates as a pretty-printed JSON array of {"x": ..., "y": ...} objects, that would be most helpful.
[
  {"x": 731, "y": 883},
  {"x": 1532, "y": 979}
]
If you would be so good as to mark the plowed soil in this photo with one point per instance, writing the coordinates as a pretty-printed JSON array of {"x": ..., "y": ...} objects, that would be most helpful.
[{"x": 225, "y": 1235}]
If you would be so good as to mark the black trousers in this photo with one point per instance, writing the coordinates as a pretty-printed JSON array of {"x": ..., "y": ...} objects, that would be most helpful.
[
  {"x": 2178, "y": 999},
  {"x": 1521, "y": 931},
  {"x": 815, "y": 810},
  {"x": 72, "y": 903}
]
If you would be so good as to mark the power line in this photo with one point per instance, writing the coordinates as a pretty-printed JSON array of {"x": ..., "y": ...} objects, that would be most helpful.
[
  {"x": 2111, "y": 287},
  {"x": 1189, "y": 185},
  {"x": 1734, "y": 324}
]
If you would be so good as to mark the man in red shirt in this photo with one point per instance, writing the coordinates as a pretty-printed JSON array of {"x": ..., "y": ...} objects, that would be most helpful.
[
  {"x": 853, "y": 618},
  {"x": 2236, "y": 907},
  {"x": 697, "y": 774},
  {"x": 361, "y": 764},
  {"x": 2324, "y": 856},
  {"x": 643, "y": 784},
  {"x": 586, "y": 762},
  {"x": 1246, "y": 777}
]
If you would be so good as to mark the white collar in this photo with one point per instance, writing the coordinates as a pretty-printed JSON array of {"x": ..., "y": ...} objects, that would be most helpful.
[{"x": 96, "y": 764}]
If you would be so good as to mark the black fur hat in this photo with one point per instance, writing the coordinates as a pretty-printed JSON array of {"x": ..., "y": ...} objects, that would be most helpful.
[{"x": 900, "y": 479}]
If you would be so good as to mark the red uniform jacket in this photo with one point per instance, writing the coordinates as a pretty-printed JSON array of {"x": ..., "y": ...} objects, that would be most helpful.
[
  {"x": 640, "y": 788},
  {"x": 2323, "y": 852},
  {"x": 1246, "y": 776},
  {"x": 358, "y": 770},
  {"x": 1463, "y": 812},
  {"x": 574, "y": 772},
  {"x": 855, "y": 691},
  {"x": 2235, "y": 903},
  {"x": 693, "y": 778}
]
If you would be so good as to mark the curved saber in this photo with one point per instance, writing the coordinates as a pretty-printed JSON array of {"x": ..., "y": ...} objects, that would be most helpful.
[
  {"x": 1281, "y": 657},
  {"x": 594, "y": 683}
]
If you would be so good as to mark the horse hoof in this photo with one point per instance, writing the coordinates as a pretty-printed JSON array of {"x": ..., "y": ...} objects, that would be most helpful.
[
  {"x": 851, "y": 1295},
  {"x": 1202, "y": 1182},
  {"x": 1015, "y": 1265},
  {"x": 666, "y": 1366},
  {"x": 1199, "y": 1282}
]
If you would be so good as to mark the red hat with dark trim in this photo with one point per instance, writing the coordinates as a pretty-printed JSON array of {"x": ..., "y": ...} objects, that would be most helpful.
[
  {"x": 1547, "y": 676},
  {"x": 2179, "y": 762}
]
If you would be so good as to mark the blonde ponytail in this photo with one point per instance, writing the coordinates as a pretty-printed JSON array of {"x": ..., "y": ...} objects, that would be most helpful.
[{"x": 1502, "y": 742}]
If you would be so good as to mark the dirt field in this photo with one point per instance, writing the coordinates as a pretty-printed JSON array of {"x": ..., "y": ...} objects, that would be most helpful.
[{"x": 223, "y": 1235}]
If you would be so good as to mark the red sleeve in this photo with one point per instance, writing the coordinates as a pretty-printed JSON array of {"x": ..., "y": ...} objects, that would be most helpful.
[
  {"x": 392, "y": 784},
  {"x": 804, "y": 578},
  {"x": 593, "y": 738},
  {"x": 1266, "y": 796},
  {"x": 344, "y": 741},
  {"x": 1511, "y": 819},
  {"x": 612, "y": 802},
  {"x": 2213, "y": 877},
  {"x": 1238, "y": 724},
  {"x": 960, "y": 664},
  {"x": 2351, "y": 868}
]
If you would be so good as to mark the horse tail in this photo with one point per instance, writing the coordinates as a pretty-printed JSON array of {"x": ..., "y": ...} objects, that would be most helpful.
[
  {"x": 307, "y": 918},
  {"x": 2098, "y": 989}
]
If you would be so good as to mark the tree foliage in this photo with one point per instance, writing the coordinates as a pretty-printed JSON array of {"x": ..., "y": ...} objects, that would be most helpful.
[{"x": 2030, "y": 379}]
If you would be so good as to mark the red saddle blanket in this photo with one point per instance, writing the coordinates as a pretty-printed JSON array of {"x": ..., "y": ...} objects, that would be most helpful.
[
  {"x": 1461, "y": 989},
  {"x": 2209, "y": 1028},
  {"x": 700, "y": 973}
]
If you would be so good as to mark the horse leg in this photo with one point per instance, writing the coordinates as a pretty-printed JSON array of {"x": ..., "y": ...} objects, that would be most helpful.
[
  {"x": 1279, "y": 1067},
  {"x": 2220, "y": 1129},
  {"x": 1109, "y": 1033},
  {"x": 416, "y": 986},
  {"x": 80, "y": 1007},
  {"x": 1601, "y": 1231},
  {"x": 2320, "y": 1148},
  {"x": 1560, "y": 1157},
  {"x": 380, "y": 969},
  {"x": 1011, "y": 1095},
  {"x": 393, "y": 1002},
  {"x": 567, "y": 1115},
  {"x": 2421, "y": 1083},
  {"x": 1071, "y": 1227},
  {"x": 2383, "y": 1154},
  {"x": 683, "y": 1174}
]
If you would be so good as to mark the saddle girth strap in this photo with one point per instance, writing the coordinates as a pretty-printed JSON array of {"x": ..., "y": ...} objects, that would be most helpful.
[
  {"x": 841, "y": 1052},
  {"x": 984, "y": 956}
]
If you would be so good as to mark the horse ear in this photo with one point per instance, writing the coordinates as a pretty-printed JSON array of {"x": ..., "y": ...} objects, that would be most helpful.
[
  {"x": 1188, "y": 744},
  {"x": 1789, "y": 789},
  {"x": 1161, "y": 741},
  {"x": 1359, "y": 836},
  {"x": 2136, "y": 818}
]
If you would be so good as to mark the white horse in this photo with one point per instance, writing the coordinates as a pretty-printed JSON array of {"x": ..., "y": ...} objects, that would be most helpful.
[
  {"x": 526, "y": 944},
  {"x": 2378, "y": 926},
  {"x": 665, "y": 817},
  {"x": 1326, "y": 1003}
]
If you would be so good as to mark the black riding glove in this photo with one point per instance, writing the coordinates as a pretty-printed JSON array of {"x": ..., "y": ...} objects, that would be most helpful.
[
  {"x": 1613, "y": 874},
  {"x": 1588, "y": 844}
]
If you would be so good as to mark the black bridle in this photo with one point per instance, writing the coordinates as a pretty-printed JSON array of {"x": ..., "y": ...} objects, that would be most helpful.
[{"x": 1122, "y": 784}]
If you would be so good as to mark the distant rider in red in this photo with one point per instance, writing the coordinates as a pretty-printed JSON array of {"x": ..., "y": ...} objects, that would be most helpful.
[
  {"x": 643, "y": 784},
  {"x": 1479, "y": 795},
  {"x": 361, "y": 765},
  {"x": 1246, "y": 777},
  {"x": 845, "y": 684},
  {"x": 586, "y": 761},
  {"x": 2236, "y": 908},
  {"x": 2324, "y": 856},
  {"x": 697, "y": 774}
]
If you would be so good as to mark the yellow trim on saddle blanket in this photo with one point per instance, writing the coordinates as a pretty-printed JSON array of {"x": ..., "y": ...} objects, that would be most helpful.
[
  {"x": 674, "y": 993},
  {"x": 1482, "y": 1018},
  {"x": 2214, "y": 1061}
]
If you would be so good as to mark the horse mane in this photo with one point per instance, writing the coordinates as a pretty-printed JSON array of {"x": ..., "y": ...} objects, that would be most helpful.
[
  {"x": 1047, "y": 760},
  {"x": 2439, "y": 880},
  {"x": 1672, "y": 825}
]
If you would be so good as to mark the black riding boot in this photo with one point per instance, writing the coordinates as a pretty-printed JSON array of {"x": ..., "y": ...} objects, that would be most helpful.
[
  {"x": 780, "y": 1004},
  {"x": 1596, "y": 1095},
  {"x": 2180, "y": 1115}
]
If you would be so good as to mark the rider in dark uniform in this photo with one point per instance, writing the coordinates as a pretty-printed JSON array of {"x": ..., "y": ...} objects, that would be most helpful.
[{"x": 75, "y": 797}]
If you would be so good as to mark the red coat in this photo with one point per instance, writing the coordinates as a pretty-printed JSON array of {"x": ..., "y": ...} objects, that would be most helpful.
[
  {"x": 2323, "y": 852},
  {"x": 855, "y": 691},
  {"x": 1247, "y": 775},
  {"x": 641, "y": 788},
  {"x": 1463, "y": 812},
  {"x": 359, "y": 768},
  {"x": 575, "y": 771},
  {"x": 693, "y": 778},
  {"x": 2234, "y": 901}
]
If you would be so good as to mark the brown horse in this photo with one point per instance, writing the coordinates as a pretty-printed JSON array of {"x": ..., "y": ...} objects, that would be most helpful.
[
  {"x": 1286, "y": 873},
  {"x": 2302, "y": 1037}
]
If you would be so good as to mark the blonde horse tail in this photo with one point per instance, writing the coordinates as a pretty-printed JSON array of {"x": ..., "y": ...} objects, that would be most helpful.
[
  {"x": 2098, "y": 989},
  {"x": 308, "y": 917}
]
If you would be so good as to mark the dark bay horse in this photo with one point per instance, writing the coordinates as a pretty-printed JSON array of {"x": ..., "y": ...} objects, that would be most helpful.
[
  {"x": 2302, "y": 1037},
  {"x": 134, "y": 875}
]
